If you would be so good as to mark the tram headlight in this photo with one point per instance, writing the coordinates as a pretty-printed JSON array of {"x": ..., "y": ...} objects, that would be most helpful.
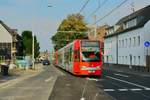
[
  {"x": 83, "y": 68},
  {"x": 98, "y": 67}
]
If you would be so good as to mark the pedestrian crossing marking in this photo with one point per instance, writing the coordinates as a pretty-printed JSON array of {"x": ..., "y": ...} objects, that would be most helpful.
[
  {"x": 135, "y": 89},
  {"x": 108, "y": 90},
  {"x": 147, "y": 89},
  {"x": 124, "y": 90}
]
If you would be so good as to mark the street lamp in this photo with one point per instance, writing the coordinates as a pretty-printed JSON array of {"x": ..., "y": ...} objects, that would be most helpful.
[{"x": 33, "y": 66}]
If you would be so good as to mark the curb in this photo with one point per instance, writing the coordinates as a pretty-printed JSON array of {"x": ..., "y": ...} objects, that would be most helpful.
[{"x": 124, "y": 71}]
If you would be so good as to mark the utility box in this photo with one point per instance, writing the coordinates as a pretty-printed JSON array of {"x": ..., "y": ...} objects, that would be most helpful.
[{"x": 4, "y": 69}]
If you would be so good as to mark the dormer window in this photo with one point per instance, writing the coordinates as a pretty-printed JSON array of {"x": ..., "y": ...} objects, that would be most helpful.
[
  {"x": 130, "y": 23},
  {"x": 110, "y": 31}
]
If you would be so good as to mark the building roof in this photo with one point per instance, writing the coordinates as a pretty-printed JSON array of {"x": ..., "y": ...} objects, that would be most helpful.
[
  {"x": 142, "y": 14},
  {"x": 145, "y": 12},
  {"x": 11, "y": 31}
]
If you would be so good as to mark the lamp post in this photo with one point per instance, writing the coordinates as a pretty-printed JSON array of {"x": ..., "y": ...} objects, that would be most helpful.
[
  {"x": 33, "y": 66},
  {"x": 95, "y": 27}
]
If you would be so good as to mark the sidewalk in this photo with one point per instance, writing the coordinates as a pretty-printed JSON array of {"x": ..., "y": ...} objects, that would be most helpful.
[
  {"x": 19, "y": 73},
  {"x": 126, "y": 70}
]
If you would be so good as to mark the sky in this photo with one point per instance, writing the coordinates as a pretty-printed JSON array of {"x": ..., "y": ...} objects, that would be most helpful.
[{"x": 43, "y": 21}]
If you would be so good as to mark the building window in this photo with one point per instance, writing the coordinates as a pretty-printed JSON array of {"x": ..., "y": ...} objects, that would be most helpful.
[
  {"x": 126, "y": 60},
  {"x": 130, "y": 23},
  {"x": 134, "y": 41},
  {"x": 126, "y": 42},
  {"x": 134, "y": 60},
  {"x": 138, "y": 41},
  {"x": 119, "y": 44},
  {"x": 139, "y": 59},
  {"x": 130, "y": 42},
  {"x": 5, "y": 49},
  {"x": 122, "y": 43}
]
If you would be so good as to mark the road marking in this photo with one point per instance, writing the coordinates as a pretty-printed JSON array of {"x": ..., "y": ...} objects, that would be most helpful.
[
  {"x": 120, "y": 71},
  {"x": 121, "y": 75},
  {"x": 109, "y": 90},
  {"x": 136, "y": 89},
  {"x": 128, "y": 82},
  {"x": 49, "y": 79},
  {"x": 92, "y": 79},
  {"x": 147, "y": 89},
  {"x": 123, "y": 89}
]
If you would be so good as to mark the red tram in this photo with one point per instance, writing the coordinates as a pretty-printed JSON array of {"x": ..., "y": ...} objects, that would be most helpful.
[{"x": 81, "y": 57}]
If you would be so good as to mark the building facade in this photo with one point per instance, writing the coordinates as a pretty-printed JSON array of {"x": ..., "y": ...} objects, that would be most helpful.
[
  {"x": 100, "y": 33},
  {"x": 10, "y": 42},
  {"x": 124, "y": 42}
]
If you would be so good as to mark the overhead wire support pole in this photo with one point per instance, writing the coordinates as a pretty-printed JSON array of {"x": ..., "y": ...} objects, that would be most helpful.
[
  {"x": 95, "y": 27},
  {"x": 84, "y": 6}
]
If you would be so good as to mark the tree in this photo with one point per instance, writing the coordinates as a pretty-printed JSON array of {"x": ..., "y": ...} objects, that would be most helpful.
[
  {"x": 76, "y": 25},
  {"x": 27, "y": 44},
  {"x": 36, "y": 48}
]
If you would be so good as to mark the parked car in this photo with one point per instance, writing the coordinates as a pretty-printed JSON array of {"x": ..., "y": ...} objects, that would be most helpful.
[{"x": 46, "y": 62}]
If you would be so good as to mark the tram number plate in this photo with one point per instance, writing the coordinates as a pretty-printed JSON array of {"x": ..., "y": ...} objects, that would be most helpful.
[{"x": 91, "y": 71}]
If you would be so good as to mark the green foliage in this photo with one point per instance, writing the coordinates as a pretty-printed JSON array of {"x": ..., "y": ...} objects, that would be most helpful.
[
  {"x": 74, "y": 23},
  {"x": 36, "y": 48},
  {"x": 27, "y": 44}
]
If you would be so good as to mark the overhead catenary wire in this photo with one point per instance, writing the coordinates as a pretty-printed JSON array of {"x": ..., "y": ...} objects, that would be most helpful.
[
  {"x": 84, "y": 6},
  {"x": 99, "y": 6},
  {"x": 118, "y": 6},
  {"x": 72, "y": 31}
]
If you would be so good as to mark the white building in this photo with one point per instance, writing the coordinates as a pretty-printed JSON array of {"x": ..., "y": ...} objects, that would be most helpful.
[{"x": 124, "y": 42}]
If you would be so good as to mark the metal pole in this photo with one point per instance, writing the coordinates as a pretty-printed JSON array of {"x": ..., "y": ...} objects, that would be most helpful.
[
  {"x": 33, "y": 66},
  {"x": 95, "y": 27}
]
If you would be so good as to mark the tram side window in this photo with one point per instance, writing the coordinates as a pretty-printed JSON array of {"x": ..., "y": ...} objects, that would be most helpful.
[
  {"x": 70, "y": 54},
  {"x": 66, "y": 56},
  {"x": 76, "y": 56},
  {"x": 59, "y": 58}
]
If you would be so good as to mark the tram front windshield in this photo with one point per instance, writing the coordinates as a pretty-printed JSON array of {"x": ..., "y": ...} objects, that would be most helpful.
[{"x": 90, "y": 51}]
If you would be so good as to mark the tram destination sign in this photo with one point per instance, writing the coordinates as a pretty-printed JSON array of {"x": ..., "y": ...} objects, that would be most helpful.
[{"x": 90, "y": 44}]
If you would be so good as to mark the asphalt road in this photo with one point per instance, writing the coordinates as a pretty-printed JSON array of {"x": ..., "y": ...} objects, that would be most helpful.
[
  {"x": 70, "y": 87},
  {"x": 122, "y": 86}
]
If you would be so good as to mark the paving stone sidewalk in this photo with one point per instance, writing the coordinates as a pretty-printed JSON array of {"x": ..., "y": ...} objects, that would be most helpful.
[{"x": 18, "y": 73}]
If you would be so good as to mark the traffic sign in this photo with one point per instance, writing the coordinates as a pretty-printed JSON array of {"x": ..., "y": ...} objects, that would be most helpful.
[{"x": 146, "y": 44}]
